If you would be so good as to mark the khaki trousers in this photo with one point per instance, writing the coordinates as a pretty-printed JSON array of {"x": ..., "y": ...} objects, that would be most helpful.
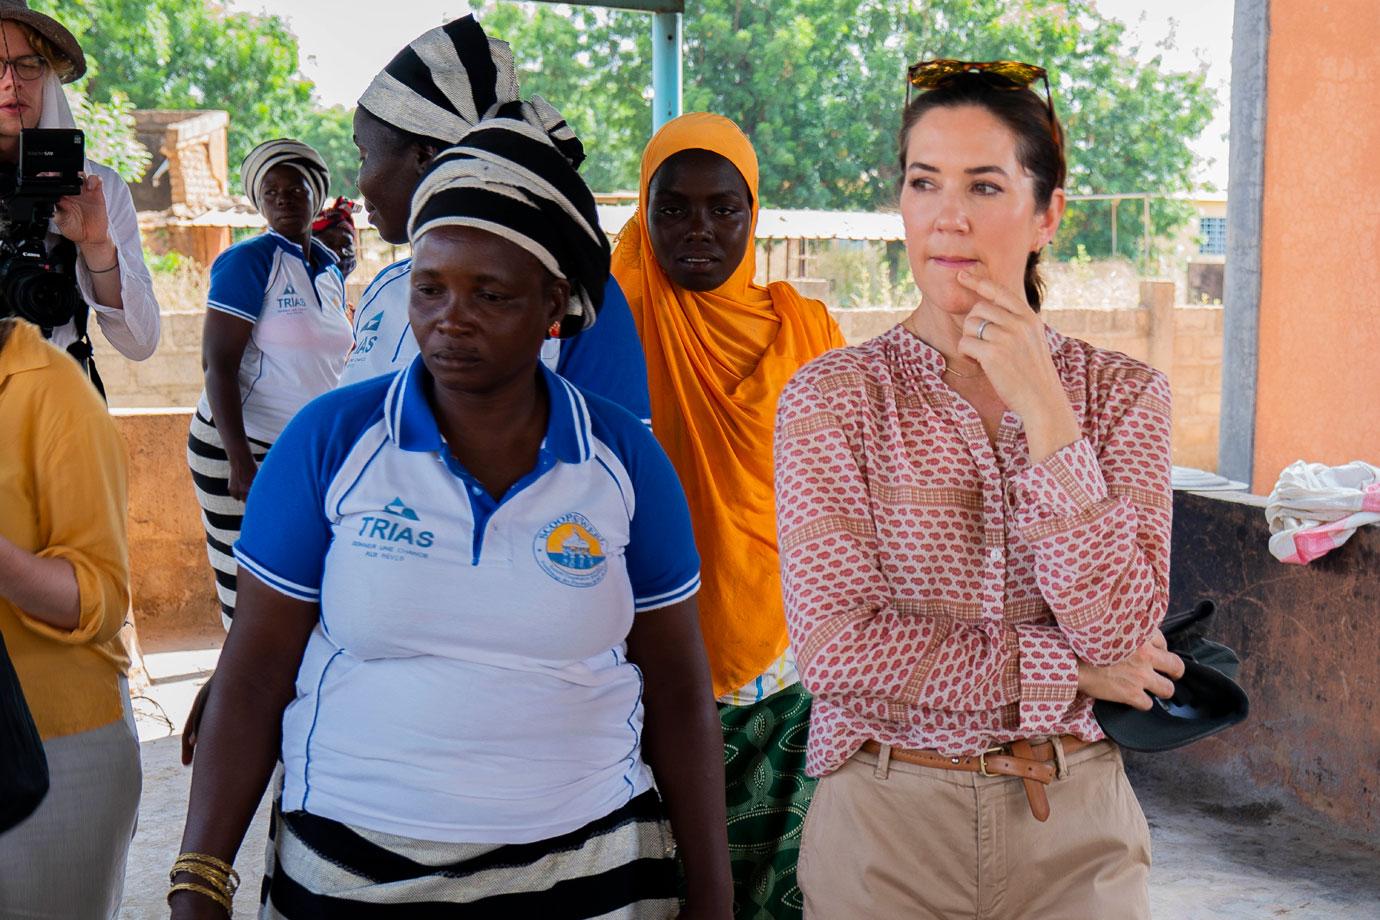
[{"x": 893, "y": 840}]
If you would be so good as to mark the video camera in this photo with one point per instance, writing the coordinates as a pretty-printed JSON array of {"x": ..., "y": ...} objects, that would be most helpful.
[{"x": 34, "y": 284}]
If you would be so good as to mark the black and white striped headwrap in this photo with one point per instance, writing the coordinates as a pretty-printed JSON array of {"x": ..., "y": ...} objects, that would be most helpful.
[
  {"x": 280, "y": 152},
  {"x": 510, "y": 177},
  {"x": 443, "y": 82}
]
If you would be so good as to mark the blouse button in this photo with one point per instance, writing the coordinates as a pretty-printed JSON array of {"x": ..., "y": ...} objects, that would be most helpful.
[{"x": 994, "y": 554}]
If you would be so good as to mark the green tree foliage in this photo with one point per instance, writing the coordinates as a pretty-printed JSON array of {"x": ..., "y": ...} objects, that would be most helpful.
[
  {"x": 177, "y": 54},
  {"x": 595, "y": 66},
  {"x": 819, "y": 86},
  {"x": 331, "y": 131},
  {"x": 109, "y": 129}
]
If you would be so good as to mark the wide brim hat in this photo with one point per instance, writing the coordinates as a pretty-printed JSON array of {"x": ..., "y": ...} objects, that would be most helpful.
[
  {"x": 56, "y": 33},
  {"x": 1206, "y": 700}
]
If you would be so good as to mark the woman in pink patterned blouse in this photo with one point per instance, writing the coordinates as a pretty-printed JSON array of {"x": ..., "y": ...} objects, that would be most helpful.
[{"x": 974, "y": 517}]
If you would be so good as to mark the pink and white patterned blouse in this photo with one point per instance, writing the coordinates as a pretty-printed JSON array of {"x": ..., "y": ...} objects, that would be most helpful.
[{"x": 938, "y": 590}]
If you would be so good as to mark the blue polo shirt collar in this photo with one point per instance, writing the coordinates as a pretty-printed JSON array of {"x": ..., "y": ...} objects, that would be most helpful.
[
  {"x": 412, "y": 426},
  {"x": 317, "y": 247}
]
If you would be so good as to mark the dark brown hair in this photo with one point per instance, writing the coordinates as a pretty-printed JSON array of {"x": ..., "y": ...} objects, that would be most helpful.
[
  {"x": 1039, "y": 140},
  {"x": 6, "y": 327}
]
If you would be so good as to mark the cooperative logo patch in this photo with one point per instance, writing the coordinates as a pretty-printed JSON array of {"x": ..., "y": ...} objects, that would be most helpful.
[{"x": 571, "y": 550}]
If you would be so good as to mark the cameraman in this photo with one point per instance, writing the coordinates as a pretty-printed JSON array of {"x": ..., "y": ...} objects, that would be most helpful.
[{"x": 37, "y": 55}]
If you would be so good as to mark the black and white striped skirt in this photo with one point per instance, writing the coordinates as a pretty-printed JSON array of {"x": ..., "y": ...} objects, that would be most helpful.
[
  {"x": 221, "y": 515},
  {"x": 620, "y": 867}
]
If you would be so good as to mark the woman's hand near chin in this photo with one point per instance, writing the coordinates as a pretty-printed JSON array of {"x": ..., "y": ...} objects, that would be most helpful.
[{"x": 1004, "y": 335}]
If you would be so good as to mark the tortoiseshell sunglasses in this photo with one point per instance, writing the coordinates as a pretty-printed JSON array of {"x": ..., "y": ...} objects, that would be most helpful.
[{"x": 928, "y": 75}]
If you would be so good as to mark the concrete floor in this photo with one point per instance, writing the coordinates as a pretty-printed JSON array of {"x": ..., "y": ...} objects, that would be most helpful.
[{"x": 1217, "y": 856}]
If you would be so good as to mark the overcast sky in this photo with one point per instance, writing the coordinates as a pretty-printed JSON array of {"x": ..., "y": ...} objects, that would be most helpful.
[{"x": 343, "y": 49}]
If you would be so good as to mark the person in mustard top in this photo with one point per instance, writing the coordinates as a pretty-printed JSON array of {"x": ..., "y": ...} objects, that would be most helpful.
[
  {"x": 64, "y": 593},
  {"x": 719, "y": 348}
]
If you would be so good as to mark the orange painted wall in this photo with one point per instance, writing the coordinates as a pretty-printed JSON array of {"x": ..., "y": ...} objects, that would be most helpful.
[{"x": 1318, "y": 390}]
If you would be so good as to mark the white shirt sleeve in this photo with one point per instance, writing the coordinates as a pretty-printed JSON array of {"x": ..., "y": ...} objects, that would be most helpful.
[{"x": 133, "y": 330}]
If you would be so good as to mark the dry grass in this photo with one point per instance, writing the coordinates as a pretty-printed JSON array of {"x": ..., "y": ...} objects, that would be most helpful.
[{"x": 180, "y": 286}]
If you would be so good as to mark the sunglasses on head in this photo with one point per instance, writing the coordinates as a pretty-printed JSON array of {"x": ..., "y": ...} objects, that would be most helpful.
[{"x": 928, "y": 75}]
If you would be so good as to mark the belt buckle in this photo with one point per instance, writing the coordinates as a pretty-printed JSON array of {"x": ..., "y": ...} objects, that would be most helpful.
[{"x": 982, "y": 759}]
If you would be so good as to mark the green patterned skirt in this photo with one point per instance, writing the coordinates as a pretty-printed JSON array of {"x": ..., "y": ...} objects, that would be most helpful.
[{"x": 768, "y": 794}]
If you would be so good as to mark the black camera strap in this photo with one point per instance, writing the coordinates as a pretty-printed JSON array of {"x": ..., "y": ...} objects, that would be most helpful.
[
  {"x": 82, "y": 351},
  {"x": 65, "y": 252}
]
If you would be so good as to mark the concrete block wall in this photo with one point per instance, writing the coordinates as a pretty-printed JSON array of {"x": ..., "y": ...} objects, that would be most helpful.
[
  {"x": 1123, "y": 330},
  {"x": 1185, "y": 341},
  {"x": 171, "y": 377},
  {"x": 173, "y": 591},
  {"x": 1196, "y": 381}
]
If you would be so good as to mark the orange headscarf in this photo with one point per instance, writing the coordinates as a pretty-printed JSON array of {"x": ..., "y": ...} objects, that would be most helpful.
[{"x": 716, "y": 363}]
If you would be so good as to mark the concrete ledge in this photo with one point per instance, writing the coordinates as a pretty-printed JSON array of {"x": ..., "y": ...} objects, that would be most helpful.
[{"x": 1307, "y": 638}]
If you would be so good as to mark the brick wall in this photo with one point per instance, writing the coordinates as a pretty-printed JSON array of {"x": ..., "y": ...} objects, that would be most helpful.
[
  {"x": 189, "y": 159},
  {"x": 199, "y": 178}
]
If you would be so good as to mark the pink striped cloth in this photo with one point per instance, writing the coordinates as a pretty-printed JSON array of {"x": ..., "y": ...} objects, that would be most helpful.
[{"x": 1316, "y": 508}]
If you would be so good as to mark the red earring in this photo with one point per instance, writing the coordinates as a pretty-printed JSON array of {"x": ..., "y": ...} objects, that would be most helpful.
[{"x": 554, "y": 332}]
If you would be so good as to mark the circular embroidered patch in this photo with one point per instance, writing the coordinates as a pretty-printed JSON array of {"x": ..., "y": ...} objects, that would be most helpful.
[{"x": 571, "y": 550}]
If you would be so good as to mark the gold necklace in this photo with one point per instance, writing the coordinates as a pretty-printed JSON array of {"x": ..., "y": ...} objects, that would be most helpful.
[
  {"x": 947, "y": 370},
  {"x": 950, "y": 370}
]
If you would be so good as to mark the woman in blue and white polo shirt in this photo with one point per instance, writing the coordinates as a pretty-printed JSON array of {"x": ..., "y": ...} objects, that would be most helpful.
[
  {"x": 275, "y": 338},
  {"x": 426, "y": 98},
  {"x": 466, "y": 619}
]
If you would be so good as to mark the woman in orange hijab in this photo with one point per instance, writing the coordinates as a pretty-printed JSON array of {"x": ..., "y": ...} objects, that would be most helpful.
[{"x": 719, "y": 349}]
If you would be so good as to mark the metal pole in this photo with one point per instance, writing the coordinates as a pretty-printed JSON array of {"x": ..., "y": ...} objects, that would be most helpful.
[
  {"x": 1115, "y": 202},
  {"x": 666, "y": 71},
  {"x": 1147, "y": 233}
]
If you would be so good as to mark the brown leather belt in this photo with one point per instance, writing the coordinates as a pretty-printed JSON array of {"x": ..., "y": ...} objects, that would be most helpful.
[{"x": 1034, "y": 764}]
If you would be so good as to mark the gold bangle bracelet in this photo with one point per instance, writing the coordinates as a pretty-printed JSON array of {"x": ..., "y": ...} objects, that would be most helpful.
[
  {"x": 219, "y": 880},
  {"x": 194, "y": 865},
  {"x": 216, "y": 896},
  {"x": 212, "y": 861},
  {"x": 202, "y": 863}
]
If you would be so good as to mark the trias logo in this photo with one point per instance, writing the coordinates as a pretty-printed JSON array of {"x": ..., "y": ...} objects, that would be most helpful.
[
  {"x": 291, "y": 300},
  {"x": 397, "y": 527}
]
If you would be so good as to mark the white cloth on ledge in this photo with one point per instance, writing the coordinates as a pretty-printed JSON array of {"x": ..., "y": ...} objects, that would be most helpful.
[{"x": 1316, "y": 508}]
